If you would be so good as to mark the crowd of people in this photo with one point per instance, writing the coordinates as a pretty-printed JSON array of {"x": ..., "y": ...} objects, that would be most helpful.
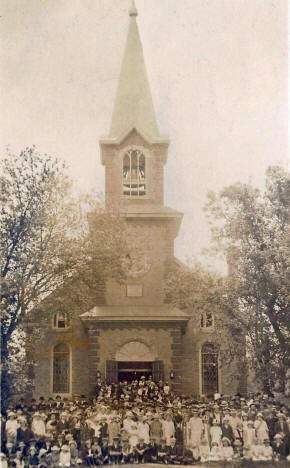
[{"x": 143, "y": 422}]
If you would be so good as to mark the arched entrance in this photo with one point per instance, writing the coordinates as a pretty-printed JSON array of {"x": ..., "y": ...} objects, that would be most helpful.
[{"x": 132, "y": 361}]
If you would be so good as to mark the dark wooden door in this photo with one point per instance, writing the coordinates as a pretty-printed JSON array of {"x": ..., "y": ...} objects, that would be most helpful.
[
  {"x": 111, "y": 372},
  {"x": 158, "y": 371}
]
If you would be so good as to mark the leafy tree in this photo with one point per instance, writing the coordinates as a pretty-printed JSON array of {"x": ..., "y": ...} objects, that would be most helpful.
[
  {"x": 250, "y": 227},
  {"x": 201, "y": 292},
  {"x": 48, "y": 239}
]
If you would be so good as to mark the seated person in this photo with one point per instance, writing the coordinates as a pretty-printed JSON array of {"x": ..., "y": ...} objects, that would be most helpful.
[
  {"x": 227, "y": 451},
  {"x": 140, "y": 450},
  {"x": 152, "y": 452},
  {"x": 127, "y": 452},
  {"x": 115, "y": 451}
]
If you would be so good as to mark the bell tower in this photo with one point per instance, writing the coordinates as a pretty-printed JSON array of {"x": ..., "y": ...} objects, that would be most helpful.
[{"x": 134, "y": 155}]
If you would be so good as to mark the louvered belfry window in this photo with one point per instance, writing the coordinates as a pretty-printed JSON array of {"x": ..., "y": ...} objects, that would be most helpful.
[
  {"x": 134, "y": 176},
  {"x": 61, "y": 369},
  {"x": 209, "y": 368}
]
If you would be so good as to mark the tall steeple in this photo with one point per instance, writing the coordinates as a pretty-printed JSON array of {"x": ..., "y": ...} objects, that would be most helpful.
[{"x": 133, "y": 105}]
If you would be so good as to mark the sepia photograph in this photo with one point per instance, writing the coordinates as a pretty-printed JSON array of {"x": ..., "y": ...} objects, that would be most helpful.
[{"x": 145, "y": 233}]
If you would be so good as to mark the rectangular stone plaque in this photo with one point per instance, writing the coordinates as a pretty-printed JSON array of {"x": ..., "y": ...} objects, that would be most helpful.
[{"x": 134, "y": 290}]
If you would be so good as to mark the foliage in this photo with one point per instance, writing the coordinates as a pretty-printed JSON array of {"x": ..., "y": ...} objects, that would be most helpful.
[
  {"x": 251, "y": 228},
  {"x": 198, "y": 291},
  {"x": 48, "y": 239}
]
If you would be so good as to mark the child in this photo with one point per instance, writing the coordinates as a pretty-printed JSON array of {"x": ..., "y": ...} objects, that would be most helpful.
[
  {"x": 227, "y": 451},
  {"x": 215, "y": 433},
  {"x": 64, "y": 456},
  {"x": 238, "y": 449},
  {"x": 126, "y": 452},
  {"x": 267, "y": 451},
  {"x": 215, "y": 452},
  {"x": 115, "y": 451},
  {"x": 204, "y": 450}
]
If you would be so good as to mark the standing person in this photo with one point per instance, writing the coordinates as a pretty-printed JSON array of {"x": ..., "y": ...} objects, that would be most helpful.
[
  {"x": 24, "y": 433},
  {"x": 155, "y": 428},
  {"x": 64, "y": 456},
  {"x": 281, "y": 425},
  {"x": 196, "y": 428},
  {"x": 38, "y": 426},
  {"x": 113, "y": 429},
  {"x": 227, "y": 430},
  {"x": 11, "y": 427},
  {"x": 261, "y": 427},
  {"x": 168, "y": 428},
  {"x": 143, "y": 430},
  {"x": 215, "y": 434},
  {"x": 249, "y": 434}
]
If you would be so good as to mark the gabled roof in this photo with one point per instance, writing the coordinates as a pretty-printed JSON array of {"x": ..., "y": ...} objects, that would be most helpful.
[{"x": 133, "y": 105}]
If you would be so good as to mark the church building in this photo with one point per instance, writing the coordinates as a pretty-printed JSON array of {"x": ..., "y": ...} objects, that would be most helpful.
[{"x": 130, "y": 330}]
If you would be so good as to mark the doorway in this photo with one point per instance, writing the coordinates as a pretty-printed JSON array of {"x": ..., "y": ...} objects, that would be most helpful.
[{"x": 129, "y": 371}]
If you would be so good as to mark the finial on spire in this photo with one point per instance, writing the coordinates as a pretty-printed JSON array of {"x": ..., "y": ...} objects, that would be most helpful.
[{"x": 133, "y": 10}]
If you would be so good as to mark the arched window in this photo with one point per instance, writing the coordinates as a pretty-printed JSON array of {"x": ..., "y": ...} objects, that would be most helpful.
[
  {"x": 134, "y": 180},
  {"x": 60, "y": 320},
  {"x": 206, "y": 320},
  {"x": 61, "y": 369},
  {"x": 209, "y": 368}
]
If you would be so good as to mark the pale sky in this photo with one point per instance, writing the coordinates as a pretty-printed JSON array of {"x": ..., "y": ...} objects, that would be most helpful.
[{"x": 218, "y": 76}]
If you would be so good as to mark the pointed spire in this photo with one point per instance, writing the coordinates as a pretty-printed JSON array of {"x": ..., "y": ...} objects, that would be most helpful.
[
  {"x": 133, "y": 10},
  {"x": 133, "y": 105}
]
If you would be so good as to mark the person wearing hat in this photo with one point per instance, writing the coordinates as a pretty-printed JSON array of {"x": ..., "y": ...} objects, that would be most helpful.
[
  {"x": 215, "y": 433},
  {"x": 151, "y": 453},
  {"x": 11, "y": 427},
  {"x": 62, "y": 423},
  {"x": 281, "y": 426},
  {"x": 249, "y": 434},
  {"x": 32, "y": 457},
  {"x": 238, "y": 449},
  {"x": 113, "y": 428},
  {"x": 115, "y": 451},
  {"x": 266, "y": 451},
  {"x": 38, "y": 426},
  {"x": 155, "y": 428},
  {"x": 51, "y": 424},
  {"x": 64, "y": 456},
  {"x": 196, "y": 429},
  {"x": 279, "y": 446},
  {"x": 261, "y": 427},
  {"x": 162, "y": 452},
  {"x": 127, "y": 453},
  {"x": 143, "y": 430},
  {"x": 42, "y": 455},
  {"x": 168, "y": 428},
  {"x": 227, "y": 451},
  {"x": 227, "y": 431},
  {"x": 74, "y": 453},
  {"x": 140, "y": 450},
  {"x": 53, "y": 456},
  {"x": 215, "y": 453},
  {"x": 24, "y": 433},
  {"x": 97, "y": 452}
]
